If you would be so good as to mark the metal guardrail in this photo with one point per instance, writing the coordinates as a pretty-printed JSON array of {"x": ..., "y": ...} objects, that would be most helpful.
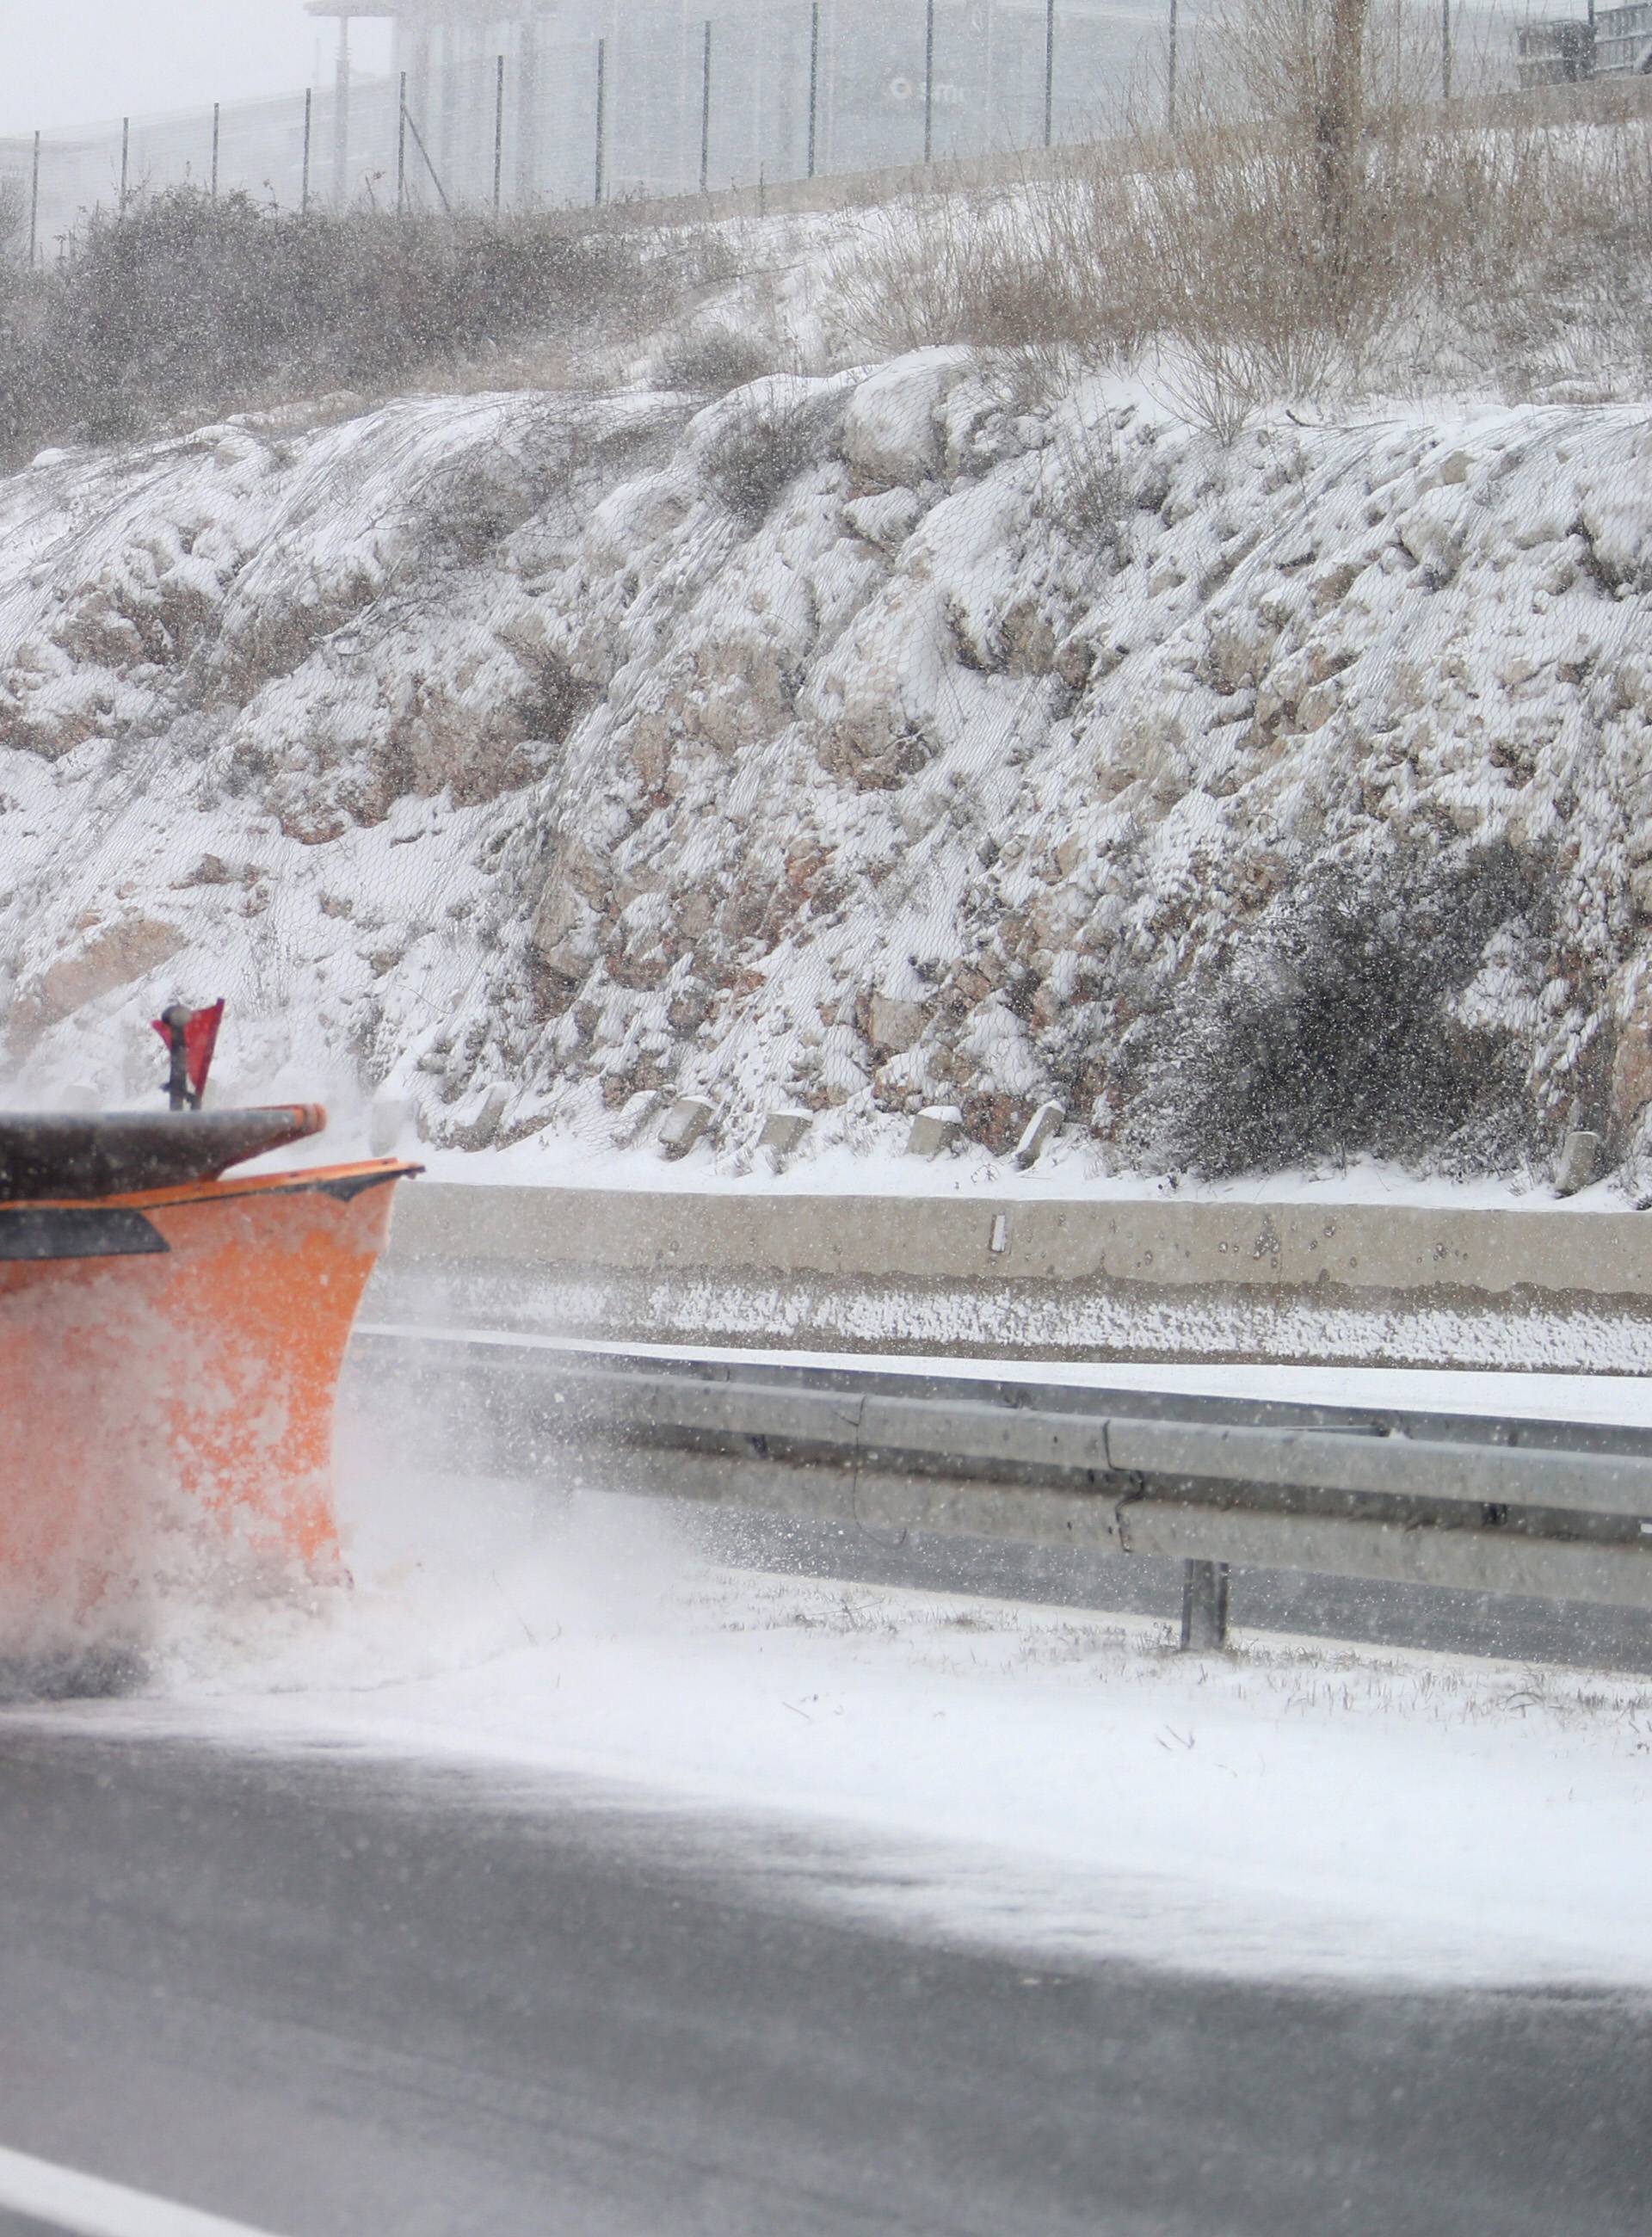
[{"x": 1557, "y": 1510}]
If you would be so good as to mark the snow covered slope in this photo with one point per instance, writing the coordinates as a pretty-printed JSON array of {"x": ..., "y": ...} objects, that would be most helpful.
[{"x": 948, "y": 731}]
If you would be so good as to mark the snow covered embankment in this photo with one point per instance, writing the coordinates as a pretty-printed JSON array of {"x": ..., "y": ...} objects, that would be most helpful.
[{"x": 936, "y": 733}]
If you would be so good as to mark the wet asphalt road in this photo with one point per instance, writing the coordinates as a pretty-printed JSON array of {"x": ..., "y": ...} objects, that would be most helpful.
[{"x": 325, "y": 1994}]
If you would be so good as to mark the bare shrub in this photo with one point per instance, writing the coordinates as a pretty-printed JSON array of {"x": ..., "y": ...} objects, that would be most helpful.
[
  {"x": 14, "y": 216},
  {"x": 186, "y": 305},
  {"x": 765, "y": 443},
  {"x": 1014, "y": 272},
  {"x": 1328, "y": 1031},
  {"x": 1082, "y": 486},
  {"x": 711, "y": 360}
]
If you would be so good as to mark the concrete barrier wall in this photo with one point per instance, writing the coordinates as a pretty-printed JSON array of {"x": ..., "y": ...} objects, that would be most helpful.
[{"x": 1324, "y": 1251}]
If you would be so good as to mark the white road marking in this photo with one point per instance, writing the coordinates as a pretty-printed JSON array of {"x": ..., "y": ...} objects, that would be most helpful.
[{"x": 85, "y": 2206}]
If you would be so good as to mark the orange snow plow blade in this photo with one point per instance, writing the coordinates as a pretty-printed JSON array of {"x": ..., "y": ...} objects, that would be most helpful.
[{"x": 168, "y": 1361}]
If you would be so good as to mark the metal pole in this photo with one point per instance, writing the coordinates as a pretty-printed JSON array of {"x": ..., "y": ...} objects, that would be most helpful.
[
  {"x": 814, "y": 78},
  {"x": 342, "y": 117},
  {"x": 304, "y": 185},
  {"x": 929, "y": 78},
  {"x": 214, "y": 150},
  {"x": 498, "y": 132},
  {"x": 602, "y": 101},
  {"x": 1170, "y": 74},
  {"x": 34, "y": 206},
  {"x": 527, "y": 112},
  {"x": 705, "y": 107},
  {"x": 401, "y": 146},
  {"x": 1049, "y": 71},
  {"x": 1446, "y": 50},
  {"x": 126, "y": 152},
  {"x": 1203, "y": 1607}
]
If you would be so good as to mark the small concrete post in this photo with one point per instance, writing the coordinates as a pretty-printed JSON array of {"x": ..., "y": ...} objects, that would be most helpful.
[
  {"x": 782, "y": 1133},
  {"x": 934, "y": 1131},
  {"x": 1579, "y": 1163},
  {"x": 1042, "y": 1127},
  {"x": 1203, "y": 1607},
  {"x": 685, "y": 1123}
]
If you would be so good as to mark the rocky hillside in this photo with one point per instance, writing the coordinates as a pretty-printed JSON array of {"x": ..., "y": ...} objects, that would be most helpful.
[{"x": 938, "y": 734}]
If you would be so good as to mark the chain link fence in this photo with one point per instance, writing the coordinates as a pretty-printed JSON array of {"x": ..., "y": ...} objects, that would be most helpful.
[{"x": 668, "y": 103}]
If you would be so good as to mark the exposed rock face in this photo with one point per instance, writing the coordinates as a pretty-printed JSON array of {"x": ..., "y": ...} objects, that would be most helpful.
[{"x": 1253, "y": 805}]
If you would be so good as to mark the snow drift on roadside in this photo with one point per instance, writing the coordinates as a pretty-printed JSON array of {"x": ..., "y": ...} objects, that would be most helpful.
[{"x": 1035, "y": 1776}]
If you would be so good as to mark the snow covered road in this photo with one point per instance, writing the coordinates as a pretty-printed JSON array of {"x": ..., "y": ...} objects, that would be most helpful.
[{"x": 337, "y": 1996}]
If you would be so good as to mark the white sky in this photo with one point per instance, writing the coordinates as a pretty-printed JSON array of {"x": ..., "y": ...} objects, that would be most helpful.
[{"x": 78, "y": 62}]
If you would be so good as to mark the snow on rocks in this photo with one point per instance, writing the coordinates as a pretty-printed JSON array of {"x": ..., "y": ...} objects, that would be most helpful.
[{"x": 929, "y": 736}]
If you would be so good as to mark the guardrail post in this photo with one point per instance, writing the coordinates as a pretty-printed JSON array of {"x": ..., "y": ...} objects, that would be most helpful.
[{"x": 1203, "y": 1607}]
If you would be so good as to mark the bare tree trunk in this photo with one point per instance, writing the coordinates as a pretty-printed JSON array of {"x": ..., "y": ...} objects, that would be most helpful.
[{"x": 1338, "y": 127}]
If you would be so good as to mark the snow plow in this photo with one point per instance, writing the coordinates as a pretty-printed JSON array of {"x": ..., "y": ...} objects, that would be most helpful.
[{"x": 171, "y": 1338}]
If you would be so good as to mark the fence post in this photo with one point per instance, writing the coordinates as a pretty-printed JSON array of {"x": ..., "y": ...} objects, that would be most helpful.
[
  {"x": 1203, "y": 1607},
  {"x": 814, "y": 78},
  {"x": 126, "y": 153},
  {"x": 341, "y": 117},
  {"x": 1170, "y": 74},
  {"x": 602, "y": 120},
  {"x": 304, "y": 180},
  {"x": 1049, "y": 71},
  {"x": 929, "y": 78},
  {"x": 34, "y": 205},
  {"x": 705, "y": 107},
  {"x": 214, "y": 150},
  {"x": 527, "y": 112},
  {"x": 402, "y": 145},
  {"x": 1446, "y": 50},
  {"x": 498, "y": 132}
]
